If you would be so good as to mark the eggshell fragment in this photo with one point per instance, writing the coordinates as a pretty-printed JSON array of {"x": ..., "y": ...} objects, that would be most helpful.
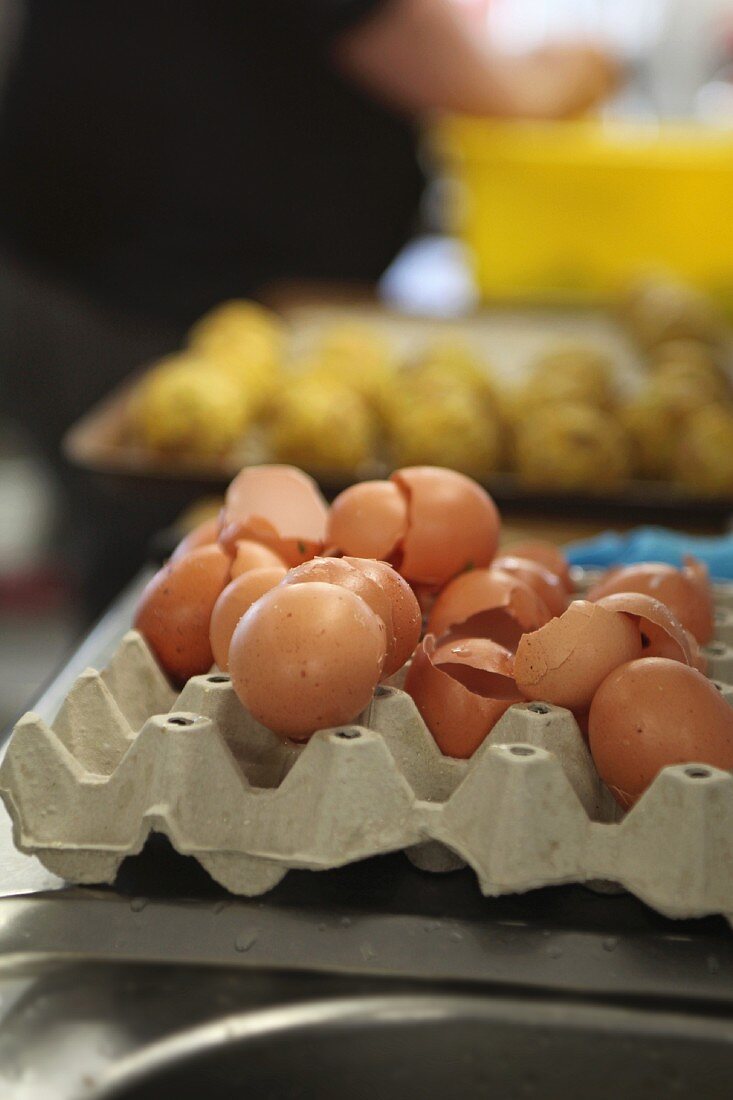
[
  {"x": 458, "y": 719},
  {"x": 507, "y": 607},
  {"x": 453, "y": 524},
  {"x": 650, "y": 714},
  {"x": 566, "y": 660},
  {"x": 342, "y": 572},
  {"x": 686, "y": 592},
  {"x": 406, "y": 616},
  {"x": 482, "y": 666},
  {"x": 546, "y": 584},
  {"x": 306, "y": 657},
  {"x": 253, "y": 555},
  {"x": 205, "y": 534},
  {"x": 546, "y": 554},
  {"x": 662, "y": 634},
  {"x": 368, "y": 520},
  {"x": 174, "y": 611},
  {"x": 234, "y": 601},
  {"x": 279, "y": 506}
]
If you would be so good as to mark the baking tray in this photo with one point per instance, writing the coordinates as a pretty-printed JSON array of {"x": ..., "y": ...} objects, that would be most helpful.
[{"x": 510, "y": 338}]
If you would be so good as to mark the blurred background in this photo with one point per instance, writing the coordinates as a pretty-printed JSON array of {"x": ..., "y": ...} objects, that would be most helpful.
[{"x": 157, "y": 159}]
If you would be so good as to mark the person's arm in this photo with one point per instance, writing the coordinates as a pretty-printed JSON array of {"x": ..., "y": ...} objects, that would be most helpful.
[{"x": 422, "y": 55}]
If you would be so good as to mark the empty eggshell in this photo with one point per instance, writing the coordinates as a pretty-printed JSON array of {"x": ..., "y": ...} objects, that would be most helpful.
[
  {"x": 686, "y": 592},
  {"x": 279, "y": 506},
  {"x": 453, "y": 524},
  {"x": 547, "y": 555},
  {"x": 565, "y": 661},
  {"x": 175, "y": 608},
  {"x": 506, "y": 605},
  {"x": 406, "y": 616},
  {"x": 204, "y": 534},
  {"x": 458, "y": 719},
  {"x": 652, "y": 713},
  {"x": 306, "y": 657},
  {"x": 234, "y": 601},
  {"x": 482, "y": 666},
  {"x": 342, "y": 572},
  {"x": 368, "y": 520},
  {"x": 662, "y": 634},
  {"x": 545, "y": 583},
  {"x": 253, "y": 555}
]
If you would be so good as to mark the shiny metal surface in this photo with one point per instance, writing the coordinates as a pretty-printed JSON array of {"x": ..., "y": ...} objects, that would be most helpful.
[{"x": 92, "y": 977}]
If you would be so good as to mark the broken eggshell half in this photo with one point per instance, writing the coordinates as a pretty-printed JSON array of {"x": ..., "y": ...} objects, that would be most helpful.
[
  {"x": 488, "y": 603},
  {"x": 458, "y": 717}
]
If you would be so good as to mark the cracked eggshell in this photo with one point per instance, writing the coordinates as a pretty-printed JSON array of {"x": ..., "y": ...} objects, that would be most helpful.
[
  {"x": 458, "y": 719},
  {"x": 545, "y": 583},
  {"x": 507, "y": 606},
  {"x": 662, "y": 634},
  {"x": 406, "y": 615},
  {"x": 453, "y": 524},
  {"x": 278, "y": 506},
  {"x": 652, "y": 713},
  {"x": 174, "y": 611},
  {"x": 565, "y": 661},
  {"x": 482, "y": 666},
  {"x": 234, "y": 602},
  {"x": 307, "y": 657},
  {"x": 547, "y": 555},
  {"x": 686, "y": 592},
  {"x": 368, "y": 520}
]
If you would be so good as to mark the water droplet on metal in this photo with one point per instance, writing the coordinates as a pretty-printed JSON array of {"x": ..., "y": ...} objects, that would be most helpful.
[
  {"x": 610, "y": 943},
  {"x": 138, "y": 904},
  {"x": 322, "y": 926},
  {"x": 456, "y": 936},
  {"x": 367, "y": 952},
  {"x": 245, "y": 939},
  {"x": 554, "y": 951},
  {"x": 345, "y": 922}
]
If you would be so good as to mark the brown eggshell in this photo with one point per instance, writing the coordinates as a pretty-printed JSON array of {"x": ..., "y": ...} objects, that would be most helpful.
[
  {"x": 650, "y": 714},
  {"x": 686, "y": 592},
  {"x": 482, "y": 666},
  {"x": 175, "y": 609},
  {"x": 204, "y": 535},
  {"x": 458, "y": 719},
  {"x": 340, "y": 571},
  {"x": 662, "y": 634},
  {"x": 234, "y": 601},
  {"x": 565, "y": 661},
  {"x": 406, "y": 616},
  {"x": 507, "y": 606},
  {"x": 698, "y": 659},
  {"x": 546, "y": 584},
  {"x": 253, "y": 555},
  {"x": 307, "y": 657},
  {"x": 547, "y": 555},
  {"x": 368, "y": 520},
  {"x": 453, "y": 524},
  {"x": 279, "y": 506}
]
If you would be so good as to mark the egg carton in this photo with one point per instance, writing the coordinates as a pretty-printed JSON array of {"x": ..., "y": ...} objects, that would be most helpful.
[{"x": 125, "y": 757}]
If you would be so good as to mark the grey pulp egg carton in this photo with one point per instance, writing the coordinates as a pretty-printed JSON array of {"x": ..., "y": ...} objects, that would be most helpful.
[{"x": 126, "y": 757}]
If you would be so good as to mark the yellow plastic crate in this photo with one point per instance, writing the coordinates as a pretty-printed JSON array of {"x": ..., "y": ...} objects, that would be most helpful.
[{"x": 573, "y": 210}]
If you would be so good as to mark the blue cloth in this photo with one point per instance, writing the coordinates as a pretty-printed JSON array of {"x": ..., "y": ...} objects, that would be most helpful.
[{"x": 654, "y": 544}]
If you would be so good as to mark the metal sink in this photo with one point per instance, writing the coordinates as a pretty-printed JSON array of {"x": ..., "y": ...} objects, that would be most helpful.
[{"x": 142, "y": 1032}]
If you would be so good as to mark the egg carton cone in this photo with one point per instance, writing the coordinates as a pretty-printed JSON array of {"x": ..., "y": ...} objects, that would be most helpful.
[{"x": 126, "y": 757}]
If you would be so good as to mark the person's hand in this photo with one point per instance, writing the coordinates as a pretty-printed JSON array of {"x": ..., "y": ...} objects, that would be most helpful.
[{"x": 560, "y": 81}]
